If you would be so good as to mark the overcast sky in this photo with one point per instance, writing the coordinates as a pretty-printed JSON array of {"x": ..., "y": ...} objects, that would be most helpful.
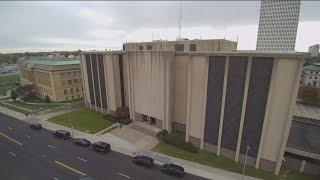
[{"x": 48, "y": 26}]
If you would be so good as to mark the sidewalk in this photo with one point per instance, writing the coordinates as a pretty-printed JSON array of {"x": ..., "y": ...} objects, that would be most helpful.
[{"x": 125, "y": 147}]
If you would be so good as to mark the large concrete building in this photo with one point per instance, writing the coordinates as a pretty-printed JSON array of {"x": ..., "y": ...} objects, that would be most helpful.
[
  {"x": 278, "y": 25},
  {"x": 56, "y": 77},
  {"x": 223, "y": 101},
  {"x": 314, "y": 50},
  {"x": 311, "y": 75}
]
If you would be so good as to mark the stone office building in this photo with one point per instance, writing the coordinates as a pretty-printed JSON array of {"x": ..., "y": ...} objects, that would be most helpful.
[
  {"x": 58, "y": 78},
  {"x": 223, "y": 101}
]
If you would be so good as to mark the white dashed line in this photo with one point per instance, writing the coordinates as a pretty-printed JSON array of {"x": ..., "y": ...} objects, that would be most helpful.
[
  {"x": 50, "y": 146},
  {"x": 128, "y": 177},
  {"x": 28, "y": 136},
  {"x": 12, "y": 154},
  {"x": 10, "y": 128},
  {"x": 81, "y": 159}
]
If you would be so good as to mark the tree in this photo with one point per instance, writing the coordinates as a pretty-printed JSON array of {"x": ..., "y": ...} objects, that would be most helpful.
[
  {"x": 47, "y": 99},
  {"x": 13, "y": 95},
  {"x": 309, "y": 94},
  {"x": 122, "y": 112}
]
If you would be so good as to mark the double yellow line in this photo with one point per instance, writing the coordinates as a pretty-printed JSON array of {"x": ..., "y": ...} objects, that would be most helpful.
[
  {"x": 11, "y": 139},
  {"x": 57, "y": 162},
  {"x": 70, "y": 168}
]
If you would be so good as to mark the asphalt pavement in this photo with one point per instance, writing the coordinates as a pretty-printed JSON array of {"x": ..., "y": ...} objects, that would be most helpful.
[{"x": 28, "y": 154}]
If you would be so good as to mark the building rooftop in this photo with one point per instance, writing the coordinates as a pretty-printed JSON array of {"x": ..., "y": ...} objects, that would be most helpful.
[
  {"x": 312, "y": 67},
  {"x": 51, "y": 61}
]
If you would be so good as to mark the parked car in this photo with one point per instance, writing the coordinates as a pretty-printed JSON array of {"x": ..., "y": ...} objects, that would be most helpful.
[
  {"x": 36, "y": 126},
  {"x": 61, "y": 134},
  {"x": 172, "y": 169},
  {"x": 101, "y": 147},
  {"x": 143, "y": 161},
  {"x": 82, "y": 142}
]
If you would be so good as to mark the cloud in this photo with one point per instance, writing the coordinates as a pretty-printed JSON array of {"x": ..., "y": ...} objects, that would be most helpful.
[{"x": 99, "y": 25}]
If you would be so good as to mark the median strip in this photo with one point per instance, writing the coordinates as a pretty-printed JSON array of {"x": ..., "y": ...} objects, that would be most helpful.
[
  {"x": 11, "y": 139},
  {"x": 70, "y": 168}
]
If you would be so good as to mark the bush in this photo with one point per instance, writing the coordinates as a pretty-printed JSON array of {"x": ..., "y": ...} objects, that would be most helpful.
[
  {"x": 109, "y": 117},
  {"x": 125, "y": 121},
  {"x": 122, "y": 112},
  {"x": 13, "y": 95},
  {"x": 161, "y": 134},
  {"x": 180, "y": 143},
  {"x": 47, "y": 99}
]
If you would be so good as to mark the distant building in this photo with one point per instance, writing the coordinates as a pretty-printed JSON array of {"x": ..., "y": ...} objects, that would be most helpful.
[
  {"x": 184, "y": 45},
  {"x": 314, "y": 50},
  {"x": 278, "y": 25},
  {"x": 222, "y": 100},
  {"x": 311, "y": 75},
  {"x": 56, "y": 77}
]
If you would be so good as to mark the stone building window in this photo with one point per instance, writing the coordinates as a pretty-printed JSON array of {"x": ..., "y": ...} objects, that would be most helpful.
[
  {"x": 179, "y": 47},
  {"x": 69, "y": 81},
  {"x": 76, "y": 81},
  {"x": 193, "y": 47},
  {"x": 149, "y": 47},
  {"x": 65, "y": 91},
  {"x": 140, "y": 47}
]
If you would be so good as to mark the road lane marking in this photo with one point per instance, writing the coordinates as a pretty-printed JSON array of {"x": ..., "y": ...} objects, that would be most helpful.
[
  {"x": 13, "y": 140},
  {"x": 123, "y": 175},
  {"x": 10, "y": 128},
  {"x": 28, "y": 136},
  {"x": 43, "y": 156},
  {"x": 81, "y": 159},
  {"x": 70, "y": 168},
  {"x": 12, "y": 154},
  {"x": 50, "y": 146}
]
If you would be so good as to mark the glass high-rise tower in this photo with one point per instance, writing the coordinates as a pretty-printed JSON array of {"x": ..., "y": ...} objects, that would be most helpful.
[{"x": 278, "y": 25}]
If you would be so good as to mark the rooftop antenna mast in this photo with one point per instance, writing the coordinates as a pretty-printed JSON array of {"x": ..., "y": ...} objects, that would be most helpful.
[{"x": 180, "y": 17}]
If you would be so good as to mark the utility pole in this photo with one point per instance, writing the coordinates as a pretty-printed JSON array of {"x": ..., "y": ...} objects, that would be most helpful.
[{"x": 245, "y": 162}]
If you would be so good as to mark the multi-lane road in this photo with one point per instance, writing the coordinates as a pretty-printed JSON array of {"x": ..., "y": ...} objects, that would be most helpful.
[{"x": 27, "y": 154}]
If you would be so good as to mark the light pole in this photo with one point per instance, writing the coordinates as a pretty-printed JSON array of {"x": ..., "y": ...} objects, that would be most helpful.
[{"x": 245, "y": 162}]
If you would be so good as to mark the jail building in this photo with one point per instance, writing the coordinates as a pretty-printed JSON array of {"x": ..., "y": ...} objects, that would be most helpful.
[{"x": 223, "y": 101}]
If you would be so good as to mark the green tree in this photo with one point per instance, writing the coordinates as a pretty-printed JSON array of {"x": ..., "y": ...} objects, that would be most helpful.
[
  {"x": 47, "y": 99},
  {"x": 13, "y": 95}
]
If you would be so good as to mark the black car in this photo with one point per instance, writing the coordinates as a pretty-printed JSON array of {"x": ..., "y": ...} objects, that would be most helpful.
[
  {"x": 172, "y": 169},
  {"x": 36, "y": 126},
  {"x": 101, "y": 147},
  {"x": 143, "y": 161},
  {"x": 61, "y": 134},
  {"x": 82, "y": 142}
]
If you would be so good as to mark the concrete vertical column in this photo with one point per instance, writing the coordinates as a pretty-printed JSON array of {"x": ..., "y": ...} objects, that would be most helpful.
[
  {"x": 106, "y": 83},
  {"x": 205, "y": 88},
  {"x": 94, "y": 93},
  {"x": 97, "y": 59},
  {"x": 188, "y": 98},
  {"x": 244, "y": 106},
  {"x": 267, "y": 112},
  {"x": 130, "y": 85},
  {"x": 168, "y": 80},
  {"x": 82, "y": 69},
  {"x": 223, "y": 100},
  {"x": 290, "y": 116}
]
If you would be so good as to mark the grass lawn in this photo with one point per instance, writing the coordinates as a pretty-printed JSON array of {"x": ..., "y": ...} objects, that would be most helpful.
[
  {"x": 5, "y": 88},
  {"x": 211, "y": 159},
  {"x": 86, "y": 120},
  {"x": 15, "y": 109}
]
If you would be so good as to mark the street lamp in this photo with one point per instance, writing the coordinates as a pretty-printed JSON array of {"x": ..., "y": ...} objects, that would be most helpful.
[{"x": 245, "y": 162}]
